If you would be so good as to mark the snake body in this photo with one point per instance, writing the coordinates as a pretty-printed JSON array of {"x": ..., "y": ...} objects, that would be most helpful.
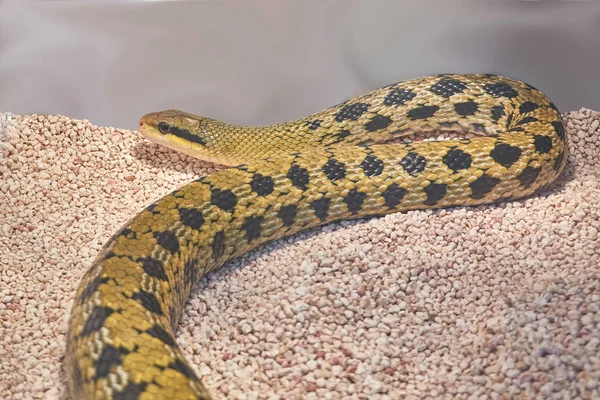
[{"x": 348, "y": 161}]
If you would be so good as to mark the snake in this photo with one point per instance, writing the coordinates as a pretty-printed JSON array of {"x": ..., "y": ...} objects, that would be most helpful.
[{"x": 362, "y": 158}]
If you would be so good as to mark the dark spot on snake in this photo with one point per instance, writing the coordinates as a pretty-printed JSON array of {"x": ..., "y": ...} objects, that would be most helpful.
[
  {"x": 125, "y": 232},
  {"x": 527, "y": 120},
  {"x": 110, "y": 357},
  {"x": 168, "y": 240},
  {"x": 393, "y": 195},
  {"x": 298, "y": 176},
  {"x": 352, "y": 111},
  {"x": 378, "y": 122},
  {"x": 314, "y": 124},
  {"x": 372, "y": 166},
  {"x": 482, "y": 186},
  {"x": 505, "y": 154},
  {"x": 187, "y": 135},
  {"x": 422, "y": 112},
  {"x": 189, "y": 271},
  {"x": 131, "y": 392},
  {"x": 91, "y": 288},
  {"x": 435, "y": 192},
  {"x": 343, "y": 134},
  {"x": 321, "y": 207},
  {"x": 528, "y": 176},
  {"x": 497, "y": 113},
  {"x": 158, "y": 332},
  {"x": 448, "y": 87},
  {"x": 398, "y": 97},
  {"x": 413, "y": 162},
  {"x": 191, "y": 217},
  {"x": 149, "y": 301},
  {"x": 96, "y": 319},
  {"x": 528, "y": 106},
  {"x": 334, "y": 169},
  {"x": 218, "y": 245},
  {"x": 559, "y": 128},
  {"x": 288, "y": 214},
  {"x": 467, "y": 108},
  {"x": 252, "y": 227},
  {"x": 457, "y": 159},
  {"x": 553, "y": 106},
  {"x": 501, "y": 89},
  {"x": 77, "y": 376},
  {"x": 542, "y": 143},
  {"x": 154, "y": 268},
  {"x": 354, "y": 200},
  {"x": 224, "y": 199},
  {"x": 262, "y": 185},
  {"x": 181, "y": 367}
]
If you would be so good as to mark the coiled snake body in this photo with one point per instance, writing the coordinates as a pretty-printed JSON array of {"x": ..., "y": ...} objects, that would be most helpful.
[{"x": 345, "y": 162}]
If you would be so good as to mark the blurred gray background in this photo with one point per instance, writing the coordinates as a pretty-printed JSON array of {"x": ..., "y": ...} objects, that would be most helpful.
[{"x": 266, "y": 61}]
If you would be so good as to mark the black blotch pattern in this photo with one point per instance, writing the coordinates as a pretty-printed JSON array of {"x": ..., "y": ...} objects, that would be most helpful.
[
  {"x": 354, "y": 200},
  {"x": 151, "y": 207},
  {"x": 181, "y": 367},
  {"x": 77, "y": 376},
  {"x": 224, "y": 199},
  {"x": 457, "y": 159},
  {"x": 191, "y": 217},
  {"x": 447, "y": 87},
  {"x": 352, "y": 111},
  {"x": 162, "y": 335},
  {"x": 131, "y": 392},
  {"x": 435, "y": 192},
  {"x": 528, "y": 176},
  {"x": 528, "y": 106},
  {"x": 187, "y": 135},
  {"x": 321, "y": 207},
  {"x": 372, "y": 166},
  {"x": 314, "y": 124},
  {"x": 505, "y": 154},
  {"x": 398, "y": 97},
  {"x": 558, "y": 161},
  {"x": 262, "y": 185},
  {"x": 168, "y": 240},
  {"x": 252, "y": 227},
  {"x": 149, "y": 301},
  {"x": 288, "y": 214},
  {"x": 91, "y": 288},
  {"x": 497, "y": 113},
  {"x": 378, "y": 122},
  {"x": 343, "y": 134},
  {"x": 501, "y": 89},
  {"x": 559, "y": 128},
  {"x": 299, "y": 176},
  {"x": 466, "y": 108},
  {"x": 412, "y": 162},
  {"x": 542, "y": 143},
  {"x": 393, "y": 195},
  {"x": 422, "y": 112},
  {"x": 334, "y": 169},
  {"x": 125, "y": 232},
  {"x": 154, "y": 268},
  {"x": 527, "y": 120},
  {"x": 218, "y": 245},
  {"x": 96, "y": 320},
  {"x": 482, "y": 186},
  {"x": 109, "y": 357}
]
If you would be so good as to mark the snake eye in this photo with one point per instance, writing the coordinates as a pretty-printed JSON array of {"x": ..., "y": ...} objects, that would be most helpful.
[{"x": 163, "y": 127}]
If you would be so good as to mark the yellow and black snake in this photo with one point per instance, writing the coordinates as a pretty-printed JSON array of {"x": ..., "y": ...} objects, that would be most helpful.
[{"x": 346, "y": 162}]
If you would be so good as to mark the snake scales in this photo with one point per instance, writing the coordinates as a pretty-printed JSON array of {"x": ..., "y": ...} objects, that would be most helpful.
[{"x": 345, "y": 162}]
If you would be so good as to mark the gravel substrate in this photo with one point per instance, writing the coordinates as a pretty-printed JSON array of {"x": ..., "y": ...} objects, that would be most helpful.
[{"x": 498, "y": 301}]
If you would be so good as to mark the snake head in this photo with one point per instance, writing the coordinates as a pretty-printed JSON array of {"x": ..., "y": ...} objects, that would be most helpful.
[{"x": 177, "y": 130}]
